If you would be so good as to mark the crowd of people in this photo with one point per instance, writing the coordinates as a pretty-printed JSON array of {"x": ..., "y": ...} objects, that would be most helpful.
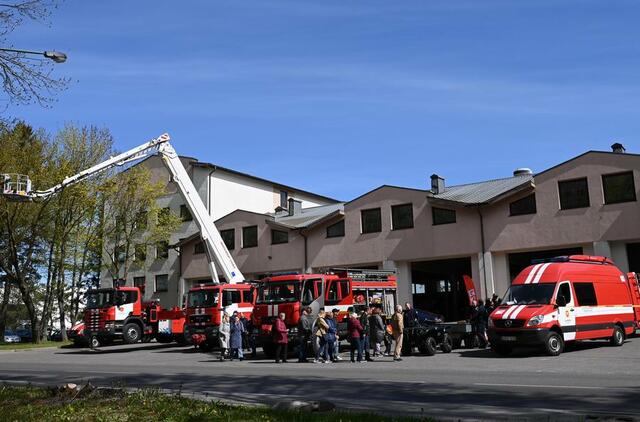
[{"x": 367, "y": 333}]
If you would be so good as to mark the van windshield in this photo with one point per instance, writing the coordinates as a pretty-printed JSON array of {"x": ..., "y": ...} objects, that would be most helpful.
[{"x": 529, "y": 294}]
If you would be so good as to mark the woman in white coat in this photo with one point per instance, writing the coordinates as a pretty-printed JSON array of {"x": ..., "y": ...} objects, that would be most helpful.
[{"x": 224, "y": 334}]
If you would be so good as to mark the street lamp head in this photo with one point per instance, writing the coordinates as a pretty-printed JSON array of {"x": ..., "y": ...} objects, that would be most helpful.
[{"x": 56, "y": 56}]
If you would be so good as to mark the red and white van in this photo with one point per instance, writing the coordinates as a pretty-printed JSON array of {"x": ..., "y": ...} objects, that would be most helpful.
[{"x": 563, "y": 299}]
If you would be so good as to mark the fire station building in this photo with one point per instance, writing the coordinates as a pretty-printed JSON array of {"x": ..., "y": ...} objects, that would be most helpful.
[{"x": 489, "y": 230}]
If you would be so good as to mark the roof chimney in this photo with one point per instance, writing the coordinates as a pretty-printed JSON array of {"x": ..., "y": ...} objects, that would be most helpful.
[
  {"x": 437, "y": 184},
  {"x": 618, "y": 148},
  {"x": 522, "y": 171},
  {"x": 295, "y": 207}
]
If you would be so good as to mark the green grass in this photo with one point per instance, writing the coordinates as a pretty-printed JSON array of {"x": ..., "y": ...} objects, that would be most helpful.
[
  {"x": 40, "y": 404},
  {"x": 20, "y": 346}
]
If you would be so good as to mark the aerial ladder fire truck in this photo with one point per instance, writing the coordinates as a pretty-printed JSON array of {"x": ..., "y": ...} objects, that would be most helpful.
[{"x": 119, "y": 312}]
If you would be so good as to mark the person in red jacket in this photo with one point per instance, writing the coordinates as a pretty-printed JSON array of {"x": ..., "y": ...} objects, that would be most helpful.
[
  {"x": 280, "y": 338},
  {"x": 354, "y": 328}
]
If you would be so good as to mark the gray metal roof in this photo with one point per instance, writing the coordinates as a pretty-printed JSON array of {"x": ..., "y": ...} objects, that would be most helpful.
[
  {"x": 483, "y": 192},
  {"x": 307, "y": 216}
]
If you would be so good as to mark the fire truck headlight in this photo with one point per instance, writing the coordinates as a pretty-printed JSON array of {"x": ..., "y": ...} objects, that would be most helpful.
[{"x": 536, "y": 320}]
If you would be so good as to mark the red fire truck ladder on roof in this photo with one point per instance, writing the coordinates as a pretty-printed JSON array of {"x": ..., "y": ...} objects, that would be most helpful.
[{"x": 18, "y": 187}]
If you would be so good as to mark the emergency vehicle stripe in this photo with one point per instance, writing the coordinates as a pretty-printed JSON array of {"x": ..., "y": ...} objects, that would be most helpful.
[
  {"x": 515, "y": 313},
  {"x": 539, "y": 275},
  {"x": 532, "y": 273},
  {"x": 511, "y": 309}
]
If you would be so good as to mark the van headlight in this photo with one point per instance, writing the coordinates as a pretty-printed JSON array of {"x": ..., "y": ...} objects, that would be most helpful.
[{"x": 536, "y": 320}]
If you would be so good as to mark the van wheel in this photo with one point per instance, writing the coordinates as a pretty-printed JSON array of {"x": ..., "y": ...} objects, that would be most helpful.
[
  {"x": 617, "y": 339},
  {"x": 131, "y": 333},
  {"x": 554, "y": 344},
  {"x": 447, "y": 344}
]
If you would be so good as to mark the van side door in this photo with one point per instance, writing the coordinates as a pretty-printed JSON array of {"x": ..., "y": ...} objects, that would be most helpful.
[{"x": 566, "y": 312}]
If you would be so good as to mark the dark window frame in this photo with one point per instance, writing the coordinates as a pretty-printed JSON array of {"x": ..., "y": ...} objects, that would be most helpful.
[
  {"x": 280, "y": 242},
  {"x": 522, "y": 201},
  {"x": 244, "y": 239},
  {"x": 393, "y": 219},
  {"x": 565, "y": 183},
  {"x": 199, "y": 248},
  {"x": 362, "y": 218},
  {"x": 160, "y": 246},
  {"x": 185, "y": 213},
  {"x": 155, "y": 285},
  {"x": 137, "y": 279},
  {"x": 336, "y": 224},
  {"x": 587, "y": 297},
  {"x": 142, "y": 248},
  {"x": 284, "y": 199},
  {"x": 619, "y": 201},
  {"x": 434, "y": 210},
  {"x": 223, "y": 233}
]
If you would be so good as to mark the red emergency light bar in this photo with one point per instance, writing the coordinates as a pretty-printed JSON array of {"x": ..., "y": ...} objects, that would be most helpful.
[{"x": 585, "y": 259}]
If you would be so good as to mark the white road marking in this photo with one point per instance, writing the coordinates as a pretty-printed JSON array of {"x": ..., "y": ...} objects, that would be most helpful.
[{"x": 566, "y": 387}]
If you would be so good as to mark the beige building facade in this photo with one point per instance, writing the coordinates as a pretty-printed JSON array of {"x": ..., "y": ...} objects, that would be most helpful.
[{"x": 432, "y": 237}]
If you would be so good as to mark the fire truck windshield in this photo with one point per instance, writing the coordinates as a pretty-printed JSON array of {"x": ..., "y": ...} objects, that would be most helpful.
[
  {"x": 529, "y": 294},
  {"x": 99, "y": 299},
  {"x": 278, "y": 292},
  {"x": 203, "y": 299}
]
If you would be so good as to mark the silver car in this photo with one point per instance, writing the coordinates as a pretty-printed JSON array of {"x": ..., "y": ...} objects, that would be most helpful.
[{"x": 11, "y": 337}]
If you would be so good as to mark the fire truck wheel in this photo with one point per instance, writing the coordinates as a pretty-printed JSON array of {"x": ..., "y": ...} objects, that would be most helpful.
[
  {"x": 617, "y": 339},
  {"x": 205, "y": 347},
  {"x": 131, "y": 333},
  {"x": 428, "y": 346},
  {"x": 554, "y": 344},
  {"x": 447, "y": 344},
  {"x": 94, "y": 342}
]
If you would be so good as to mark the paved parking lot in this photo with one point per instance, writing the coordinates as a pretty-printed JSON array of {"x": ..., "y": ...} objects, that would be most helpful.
[{"x": 590, "y": 378}]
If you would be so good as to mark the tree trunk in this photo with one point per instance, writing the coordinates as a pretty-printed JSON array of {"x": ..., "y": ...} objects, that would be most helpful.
[
  {"x": 60, "y": 285},
  {"x": 3, "y": 308}
]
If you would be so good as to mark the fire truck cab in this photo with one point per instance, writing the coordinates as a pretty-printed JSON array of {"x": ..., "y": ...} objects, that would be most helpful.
[
  {"x": 564, "y": 299},
  {"x": 347, "y": 290},
  {"x": 206, "y": 304},
  {"x": 119, "y": 313}
]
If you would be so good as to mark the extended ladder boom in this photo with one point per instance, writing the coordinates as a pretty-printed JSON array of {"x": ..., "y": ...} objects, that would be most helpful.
[{"x": 216, "y": 249}]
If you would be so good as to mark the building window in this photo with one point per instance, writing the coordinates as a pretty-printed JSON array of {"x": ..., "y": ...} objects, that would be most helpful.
[
  {"x": 336, "y": 230},
  {"x": 523, "y": 206},
  {"x": 573, "y": 193},
  {"x": 139, "y": 282},
  {"x": 250, "y": 237},
  {"x": 162, "y": 250},
  {"x": 279, "y": 236},
  {"x": 185, "y": 214},
  {"x": 120, "y": 254},
  {"x": 618, "y": 188},
  {"x": 140, "y": 253},
  {"x": 284, "y": 198},
  {"x": 162, "y": 283},
  {"x": 443, "y": 216},
  {"x": 402, "y": 216},
  {"x": 141, "y": 220},
  {"x": 198, "y": 248},
  {"x": 163, "y": 215},
  {"x": 371, "y": 220},
  {"x": 229, "y": 238}
]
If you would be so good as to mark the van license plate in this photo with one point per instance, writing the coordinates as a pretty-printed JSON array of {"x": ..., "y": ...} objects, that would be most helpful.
[{"x": 508, "y": 338}]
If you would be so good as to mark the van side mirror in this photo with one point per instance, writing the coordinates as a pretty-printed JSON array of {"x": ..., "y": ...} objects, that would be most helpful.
[{"x": 561, "y": 301}]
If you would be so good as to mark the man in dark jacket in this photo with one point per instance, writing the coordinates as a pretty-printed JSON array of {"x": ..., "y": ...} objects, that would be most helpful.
[
  {"x": 304, "y": 333},
  {"x": 410, "y": 316},
  {"x": 366, "y": 328}
]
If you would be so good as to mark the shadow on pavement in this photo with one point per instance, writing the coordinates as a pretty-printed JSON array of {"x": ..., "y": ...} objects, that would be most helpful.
[{"x": 113, "y": 349}]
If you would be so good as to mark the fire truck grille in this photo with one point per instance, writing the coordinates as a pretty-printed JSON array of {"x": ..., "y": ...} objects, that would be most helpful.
[
  {"x": 95, "y": 321},
  {"x": 509, "y": 323},
  {"x": 199, "y": 319}
]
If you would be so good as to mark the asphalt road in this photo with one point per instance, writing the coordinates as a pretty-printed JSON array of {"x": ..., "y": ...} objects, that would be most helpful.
[{"x": 588, "y": 379}]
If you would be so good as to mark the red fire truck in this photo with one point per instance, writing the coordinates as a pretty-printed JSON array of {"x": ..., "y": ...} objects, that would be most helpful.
[
  {"x": 120, "y": 313},
  {"x": 205, "y": 306},
  {"x": 343, "y": 289},
  {"x": 564, "y": 299}
]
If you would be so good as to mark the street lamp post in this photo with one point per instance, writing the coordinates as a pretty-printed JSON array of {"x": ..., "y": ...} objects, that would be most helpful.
[{"x": 56, "y": 56}]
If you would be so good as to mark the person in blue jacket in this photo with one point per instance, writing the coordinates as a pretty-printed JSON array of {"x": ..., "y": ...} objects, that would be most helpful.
[
  {"x": 235, "y": 342},
  {"x": 331, "y": 336}
]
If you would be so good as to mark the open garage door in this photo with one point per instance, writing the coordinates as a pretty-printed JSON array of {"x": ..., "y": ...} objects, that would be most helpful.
[
  {"x": 438, "y": 286},
  {"x": 521, "y": 260}
]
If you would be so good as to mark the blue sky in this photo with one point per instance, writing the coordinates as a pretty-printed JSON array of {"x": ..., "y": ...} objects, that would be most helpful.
[{"x": 339, "y": 97}]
